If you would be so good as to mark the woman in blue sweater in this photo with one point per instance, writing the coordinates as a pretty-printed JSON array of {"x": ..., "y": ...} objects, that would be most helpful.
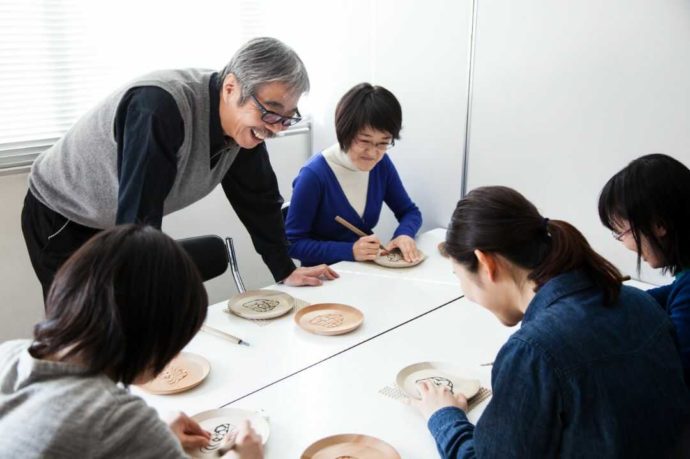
[
  {"x": 592, "y": 370},
  {"x": 647, "y": 206},
  {"x": 353, "y": 179}
]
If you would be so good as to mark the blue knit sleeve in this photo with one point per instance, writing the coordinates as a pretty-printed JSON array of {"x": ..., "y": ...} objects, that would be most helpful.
[
  {"x": 307, "y": 191},
  {"x": 397, "y": 199}
]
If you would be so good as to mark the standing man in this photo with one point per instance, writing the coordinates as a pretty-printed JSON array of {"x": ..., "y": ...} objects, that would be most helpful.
[{"x": 164, "y": 141}]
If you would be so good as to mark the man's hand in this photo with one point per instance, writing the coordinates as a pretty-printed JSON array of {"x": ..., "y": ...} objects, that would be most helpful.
[{"x": 313, "y": 275}]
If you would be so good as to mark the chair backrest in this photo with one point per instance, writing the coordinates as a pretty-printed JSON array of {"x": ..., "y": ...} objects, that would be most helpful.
[
  {"x": 284, "y": 210},
  {"x": 209, "y": 254}
]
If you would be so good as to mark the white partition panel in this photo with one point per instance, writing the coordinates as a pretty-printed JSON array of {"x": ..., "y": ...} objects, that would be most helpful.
[{"x": 567, "y": 93}]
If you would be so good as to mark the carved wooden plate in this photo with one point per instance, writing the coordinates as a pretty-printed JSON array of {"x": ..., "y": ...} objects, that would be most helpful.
[
  {"x": 438, "y": 373},
  {"x": 350, "y": 445},
  {"x": 261, "y": 304},
  {"x": 184, "y": 372},
  {"x": 394, "y": 259},
  {"x": 329, "y": 318},
  {"x": 222, "y": 422}
]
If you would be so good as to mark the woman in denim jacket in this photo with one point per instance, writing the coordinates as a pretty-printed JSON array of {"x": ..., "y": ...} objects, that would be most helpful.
[{"x": 593, "y": 370}]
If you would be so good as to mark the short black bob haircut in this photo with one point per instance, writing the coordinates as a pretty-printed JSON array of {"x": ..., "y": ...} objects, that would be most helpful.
[
  {"x": 652, "y": 191},
  {"x": 125, "y": 303},
  {"x": 367, "y": 106}
]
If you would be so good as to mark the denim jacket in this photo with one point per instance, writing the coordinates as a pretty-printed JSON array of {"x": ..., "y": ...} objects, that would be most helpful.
[{"x": 579, "y": 379}]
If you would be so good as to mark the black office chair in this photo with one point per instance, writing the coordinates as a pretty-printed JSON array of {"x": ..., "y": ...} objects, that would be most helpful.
[
  {"x": 212, "y": 257},
  {"x": 284, "y": 210}
]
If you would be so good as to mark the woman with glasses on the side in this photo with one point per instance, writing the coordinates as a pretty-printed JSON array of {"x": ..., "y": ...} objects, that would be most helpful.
[
  {"x": 592, "y": 370},
  {"x": 119, "y": 309},
  {"x": 647, "y": 206},
  {"x": 352, "y": 179}
]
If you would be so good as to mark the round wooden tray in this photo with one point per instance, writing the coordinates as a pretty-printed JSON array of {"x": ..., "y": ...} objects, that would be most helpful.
[
  {"x": 184, "y": 372},
  {"x": 350, "y": 445},
  {"x": 261, "y": 304},
  {"x": 438, "y": 373},
  {"x": 394, "y": 259},
  {"x": 221, "y": 422},
  {"x": 329, "y": 318}
]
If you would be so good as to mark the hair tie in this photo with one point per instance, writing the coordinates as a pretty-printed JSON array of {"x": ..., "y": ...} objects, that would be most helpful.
[{"x": 545, "y": 224}]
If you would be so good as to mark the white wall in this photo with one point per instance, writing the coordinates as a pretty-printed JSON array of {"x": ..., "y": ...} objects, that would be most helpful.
[
  {"x": 20, "y": 291},
  {"x": 567, "y": 93}
]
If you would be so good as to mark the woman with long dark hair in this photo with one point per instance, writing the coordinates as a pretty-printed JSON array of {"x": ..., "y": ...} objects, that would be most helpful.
[
  {"x": 592, "y": 372},
  {"x": 118, "y": 311},
  {"x": 647, "y": 207}
]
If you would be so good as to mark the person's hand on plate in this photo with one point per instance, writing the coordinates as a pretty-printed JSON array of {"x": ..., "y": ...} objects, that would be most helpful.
[
  {"x": 407, "y": 247},
  {"x": 245, "y": 443},
  {"x": 189, "y": 432},
  {"x": 366, "y": 248},
  {"x": 436, "y": 397}
]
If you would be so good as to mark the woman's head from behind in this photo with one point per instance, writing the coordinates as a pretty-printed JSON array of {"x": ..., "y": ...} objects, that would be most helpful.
[
  {"x": 503, "y": 251},
  {"x": 368, "y": 120},
  {"x": 124, "y": 304},
  {"x": 647, "y": 206}
]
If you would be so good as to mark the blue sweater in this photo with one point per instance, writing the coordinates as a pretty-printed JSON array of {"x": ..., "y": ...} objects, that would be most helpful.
[
  {"x": 675, "y": 299},
  {"x": 317, "y": 198},
  {"x": 579, "y": 379}
]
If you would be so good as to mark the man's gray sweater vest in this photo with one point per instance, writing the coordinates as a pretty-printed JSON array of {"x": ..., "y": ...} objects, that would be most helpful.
[{"x": 78, "y": 178}]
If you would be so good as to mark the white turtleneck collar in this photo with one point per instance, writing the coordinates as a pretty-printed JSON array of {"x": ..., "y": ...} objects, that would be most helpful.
[{"x": 354, "y": 182}]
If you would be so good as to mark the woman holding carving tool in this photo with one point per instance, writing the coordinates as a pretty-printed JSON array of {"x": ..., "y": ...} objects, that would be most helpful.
[
  {"x": 110, "y": 323},
  {"x": 353, "y": 179},
  {"x": 592, "y": 371}
]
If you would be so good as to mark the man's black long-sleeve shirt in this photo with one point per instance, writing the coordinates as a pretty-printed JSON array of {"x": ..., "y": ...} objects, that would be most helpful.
[{"x": 149, "y": 132}]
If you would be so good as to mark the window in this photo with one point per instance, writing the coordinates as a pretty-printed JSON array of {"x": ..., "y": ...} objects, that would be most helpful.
[{"x": 48, "y": 74}]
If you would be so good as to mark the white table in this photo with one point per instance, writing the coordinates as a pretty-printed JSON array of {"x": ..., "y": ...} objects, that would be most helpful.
[
  {"x": 435, "y": 269},
  {"x": 280, "y": 348},
  {"x": 341, "y": 394}
]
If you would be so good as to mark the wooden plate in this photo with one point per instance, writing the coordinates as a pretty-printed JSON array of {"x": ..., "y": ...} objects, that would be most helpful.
[
  {"x": 224, "y": 421},
  {"x": 437, "y": 373},
  {"x": 184, "y": 372},
  {"x": 329, "y": 318},
  {"x": 394, "y": 259},
  {"x": 350, "y": 445},
  {"x": 261, "y": 304}
]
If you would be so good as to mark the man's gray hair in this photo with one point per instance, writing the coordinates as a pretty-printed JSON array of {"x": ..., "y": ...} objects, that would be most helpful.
[{"x": 266, "y": 60}]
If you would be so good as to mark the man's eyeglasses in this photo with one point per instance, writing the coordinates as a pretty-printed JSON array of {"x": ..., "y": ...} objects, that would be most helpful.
[
  {"x": 366, "y": 145},
  {"x": 619, "y": 236},
  {"x": 271, "y": 117}
]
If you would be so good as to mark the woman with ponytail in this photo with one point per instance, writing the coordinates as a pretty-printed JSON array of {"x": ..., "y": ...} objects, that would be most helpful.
[{"x": 592, "y": 371}]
